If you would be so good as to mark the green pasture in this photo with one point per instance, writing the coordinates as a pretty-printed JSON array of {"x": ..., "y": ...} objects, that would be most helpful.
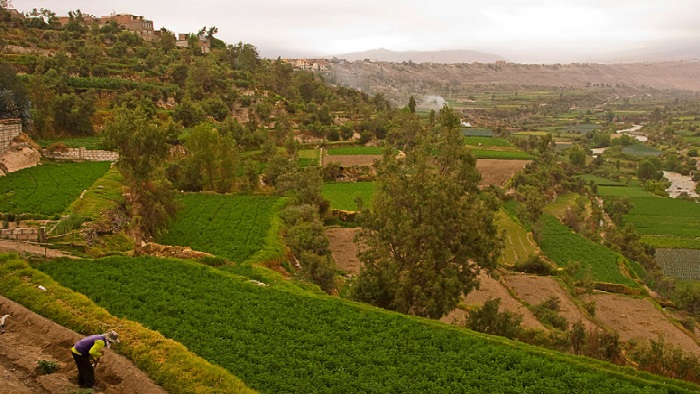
[
  {"x": 233, "y": 227},
  {"x": 308, "y": 157},
  {"x": 280, "y": 341},
  {"x": 561, "y": 204},
  {"x": 342, "y": 195},
  {"x": 49, "y": 188},
  {"x": 565, "y": 247}
]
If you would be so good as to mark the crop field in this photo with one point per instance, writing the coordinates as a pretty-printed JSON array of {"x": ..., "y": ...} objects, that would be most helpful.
[
  {"x": 565, "y": 247},
  {"x": 624, "y": 191},
  {"x": 49, "y": 188},
  {"x": 486, "y": 141},
  {"x": 660, "y": 216},
  {"x": 640, "y": 150},
  {"x": 355, "y": 150},
  {"x": 342, "y": 195},
  {"x": 280, "y": 341},
  {"x": 679, "y": 263},
  {"x": 233, "y": 227},
  {"x": 601, "y": 181},
  {"x": 469, "y": 132},
  {"x": 308, "y": 157}
]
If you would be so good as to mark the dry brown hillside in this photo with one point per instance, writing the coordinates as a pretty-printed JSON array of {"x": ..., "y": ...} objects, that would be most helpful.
[{"x": 400, "y": 79}]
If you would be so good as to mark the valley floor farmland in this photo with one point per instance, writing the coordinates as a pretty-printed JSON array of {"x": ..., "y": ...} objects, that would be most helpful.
[{"x": 281, "y": 341}]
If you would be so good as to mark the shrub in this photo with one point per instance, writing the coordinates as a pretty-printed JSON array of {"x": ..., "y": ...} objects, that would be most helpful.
[
  {"x": 489, "y": 320},
  {"x": 47, "y": 366},
  {"x": 548, "y": 313},
  {"x": 535, "y": 265}
]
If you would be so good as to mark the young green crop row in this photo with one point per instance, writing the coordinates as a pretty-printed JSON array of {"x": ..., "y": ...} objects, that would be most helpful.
[
  {"x": 565, "y": 247},
  {"x": 233, "y": 227},
  {"x": 49, "y": 188},
  {"x": 279, "y": 341},
  {"x": 679, "y": 263}
]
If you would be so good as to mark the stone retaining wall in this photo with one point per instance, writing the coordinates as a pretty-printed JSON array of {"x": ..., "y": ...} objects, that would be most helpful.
[
  {"x": 81, "y": 154},
  {"x": 9, "y": 129},
  {"x": 23, "y": 234}
]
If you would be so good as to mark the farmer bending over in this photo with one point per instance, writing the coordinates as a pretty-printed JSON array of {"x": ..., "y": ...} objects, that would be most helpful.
[{"x": 88, "y": 351}]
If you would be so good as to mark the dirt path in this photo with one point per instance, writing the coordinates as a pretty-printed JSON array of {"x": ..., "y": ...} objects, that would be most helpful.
[
  {"x": 30, "y": 337},
  {"x": 26, "y": 248},
  {"x": 344, "y": 249},
  {"x": 536, "y": 289}
]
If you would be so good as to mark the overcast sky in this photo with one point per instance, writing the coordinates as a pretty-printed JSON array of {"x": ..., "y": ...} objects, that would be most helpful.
[{"x": 520, "y": 30}]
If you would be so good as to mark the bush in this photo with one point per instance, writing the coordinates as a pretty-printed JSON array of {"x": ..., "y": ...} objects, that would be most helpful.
[
  {"x": 535, "y": 265},
  {"x": 489, "y": 320},
  {"x": 547, "y": 312},
  {"x": 47, "y": 366}
]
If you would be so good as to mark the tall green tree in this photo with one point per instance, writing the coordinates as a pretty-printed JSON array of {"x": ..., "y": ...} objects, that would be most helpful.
[
  {"x": 429, "y": 231},
  {"x": 412, "y": 105},
  {"x": 142, "y": 151}
]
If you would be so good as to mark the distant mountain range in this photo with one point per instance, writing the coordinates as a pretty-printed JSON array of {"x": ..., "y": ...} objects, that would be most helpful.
[{"x": 447, "y": 57}]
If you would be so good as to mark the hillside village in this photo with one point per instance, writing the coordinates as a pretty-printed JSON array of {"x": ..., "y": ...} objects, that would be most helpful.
[{"x": 340, "y": 226}]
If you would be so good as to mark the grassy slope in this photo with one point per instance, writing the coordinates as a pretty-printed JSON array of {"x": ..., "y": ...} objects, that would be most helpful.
[
  {"x": 280, "y": 341},
  {"x": 517, "y": 243}
]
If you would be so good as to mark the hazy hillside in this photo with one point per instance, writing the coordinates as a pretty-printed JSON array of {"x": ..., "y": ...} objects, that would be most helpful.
[
  {"x": 394, "y": 79},
  {"x": 447, "y": 57}
]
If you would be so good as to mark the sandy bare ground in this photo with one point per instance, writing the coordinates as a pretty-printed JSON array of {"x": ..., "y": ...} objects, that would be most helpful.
[
  {"x": 30, "y": 337},
  {"x": 497, "y": 171},
  {"x": 344, "y": 249},
  {"x": 536, "y": 289},
  {"x": 638, "y": 318},
  {"x": 491, "y": 288},
  {"x": 27, "y": 248}
]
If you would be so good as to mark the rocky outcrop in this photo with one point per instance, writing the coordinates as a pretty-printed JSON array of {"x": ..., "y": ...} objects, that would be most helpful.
[{"x": 20, "y": 154}]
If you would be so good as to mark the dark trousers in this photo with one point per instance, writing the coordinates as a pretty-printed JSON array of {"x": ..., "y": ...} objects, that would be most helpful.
[{"x": 86, "y": 373}]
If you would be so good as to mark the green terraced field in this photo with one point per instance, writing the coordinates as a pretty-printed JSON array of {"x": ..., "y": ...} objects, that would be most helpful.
[
  {"x": 280, "y": 341},
  {"x": 49, "y": 188},
  {"x": 233, "y": 227}
]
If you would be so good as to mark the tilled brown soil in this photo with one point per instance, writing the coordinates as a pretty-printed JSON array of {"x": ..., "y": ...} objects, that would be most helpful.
[
  {"x": 29, "y": 338},
  {"x": 536, "y": 289},
  {"x": 638, "y": 318}
]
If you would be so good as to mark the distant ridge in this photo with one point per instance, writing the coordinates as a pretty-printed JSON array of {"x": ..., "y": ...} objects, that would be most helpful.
[{"x": 447, "y": 57}]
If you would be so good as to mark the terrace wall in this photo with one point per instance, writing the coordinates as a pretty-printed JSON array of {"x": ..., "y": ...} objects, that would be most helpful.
[
  {"x": 9, "y": 129},
  {"x": 23, "y": 234},
  {"x": 81, "y": 154}
]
